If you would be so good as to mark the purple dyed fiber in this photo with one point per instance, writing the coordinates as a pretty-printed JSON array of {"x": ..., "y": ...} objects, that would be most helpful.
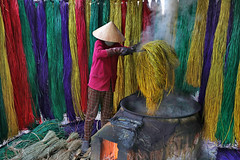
[
  {"x": 227, "y": 154},
  {"x": 67, "y": 68},
  {"x": 79, "y": 128},
  {"x": 44, "y": 102},
  {"x": 31, "y": 15},
  {"x": 212, "y": 21},
  {"x": 229, "y": 33}
]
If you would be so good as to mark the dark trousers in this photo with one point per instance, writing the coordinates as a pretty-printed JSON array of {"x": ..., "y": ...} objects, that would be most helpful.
[{"x": 105, "y": 98}]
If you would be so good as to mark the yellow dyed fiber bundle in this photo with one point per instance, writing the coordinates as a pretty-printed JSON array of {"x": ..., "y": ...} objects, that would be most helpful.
[
  {"x": 130, "y": 35},
  {"x": 119, "y": 87},
  {"x": 112, "y": 10},
  {"x": 195, "y": 59},
  {"x": 139, "y": 20},
  {"x": 118, "y": 15},
  {"x": 155, "y": 72},
  {"x": 136, "y": 21},
  {"x": 87, "y": 17},
  {"x": 214, "y": 90},
  {"x": 75, "y": 77},
  {"x": 7, "y": 87},
  {"x": 237, "y": 108}
]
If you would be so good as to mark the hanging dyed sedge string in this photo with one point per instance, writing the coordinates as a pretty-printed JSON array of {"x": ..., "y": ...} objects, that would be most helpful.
[
  {"x": 93, "y": 26},
  {"x": 75, "y": 77},
  {"x": 124, "y": 11},
  {"x": 130, "y": 76},
  {"x": 44, "y": 102},
  {"x": 229, "y": 33},
  {"x": 87, "y": 17},
  {"x": 100, "y": 12},
  {"x": 17, "y": 63},
  {"x": 237, "y": 108},
  {"x": 155, "y": 72},
  {"x": 3, "y": 114},
  {"x": 112, "y": 10},
  {"x": 195, "y": 58},
  {"x": 139, "y": 19},
  {"x": 59, "y": 56},
  {"x": 119, "y": 87},
  {"x": 118, "y": 15},
  {"x": 7, "y": 86},
  {"x": 30, "y": 10},
  {"x": 105, "y": 13},
  {"x": 226, "y": 120},
  {"x": 185, "y": 24},
  {"x": 82, "y": 51},
  {"x": 213, "y": 102},
  {"x": 55, "y": 59},
  {"x": 31, "y": 15},
  {"x": 67, "y": 60},
  {"x": 135, "y": 35},
  {"x": 3, "y": 118},
  {"x": 212, "y": 21},
  {"x": 31, "y": 64},
  {"x": 146, "y": 21}
]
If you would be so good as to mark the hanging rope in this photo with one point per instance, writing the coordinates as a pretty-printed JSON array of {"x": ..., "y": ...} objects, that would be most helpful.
[
  {"x": 225, "y": 131},
  {"x": 185, "y": 24},
  {"x": 195, "y": 58},
  {"x": 3, "y": 118},
  {"x": 212, "y": 21},
  {"x": 55, "y": 59},
  {"x": 67, "y": 60},
  {"x": 215, "y": 81},
  {"x": 75, "y": 77},
  {"x": 82, "y": 51},
  {"x": 17, "y": 63},
  {"x": 7, "y": 86},
  {"x": 155, "y": 72},
  {"x": 31, "y": 64}
]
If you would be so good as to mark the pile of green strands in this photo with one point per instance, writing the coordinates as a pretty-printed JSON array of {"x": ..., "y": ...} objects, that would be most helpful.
[
  {"x": 14, "y": 147},
  {"x": 53, "y": 147},
  {"x": 155, "y": 67}
]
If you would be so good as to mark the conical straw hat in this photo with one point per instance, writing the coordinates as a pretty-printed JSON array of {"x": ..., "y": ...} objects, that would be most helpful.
[{"x": 109, "y": 32}]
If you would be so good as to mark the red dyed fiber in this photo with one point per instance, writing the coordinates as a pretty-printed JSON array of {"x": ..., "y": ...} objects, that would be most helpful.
[
  {"x": 146, "y": 18},
  {"x": 82, "y": 50},
  {"x": 17, "y": 63},
  {"x": 124, "y": 12}
]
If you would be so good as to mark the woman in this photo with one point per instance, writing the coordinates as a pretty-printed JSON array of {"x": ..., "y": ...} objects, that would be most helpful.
[{"x": 103, "y": 76}]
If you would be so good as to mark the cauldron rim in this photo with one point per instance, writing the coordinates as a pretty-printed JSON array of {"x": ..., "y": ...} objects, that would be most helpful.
[{"x": 152, "y": 116}]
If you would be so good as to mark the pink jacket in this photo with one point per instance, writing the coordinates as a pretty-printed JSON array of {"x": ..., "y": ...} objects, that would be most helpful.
[{"x": 104, "y": 68}]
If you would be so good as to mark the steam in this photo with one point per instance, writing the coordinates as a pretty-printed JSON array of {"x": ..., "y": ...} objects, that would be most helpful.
[{"x": 164, "y": 20}]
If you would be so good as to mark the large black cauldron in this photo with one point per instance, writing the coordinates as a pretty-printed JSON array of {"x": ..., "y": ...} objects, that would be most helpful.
[{"x": 172, "y": 133}]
